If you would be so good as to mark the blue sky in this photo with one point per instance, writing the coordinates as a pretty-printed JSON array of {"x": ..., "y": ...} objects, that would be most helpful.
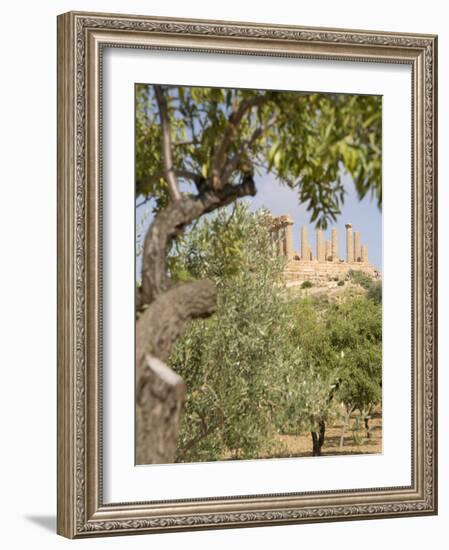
[
  {"x": 279, "y": 199},
  {"x": 364, "y": 215}
]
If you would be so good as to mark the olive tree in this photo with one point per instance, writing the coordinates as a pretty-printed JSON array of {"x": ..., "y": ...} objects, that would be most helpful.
[
  {"x": 341, "y": 351},
  {"x": 355, "y": 328},
  {"x": 232, "y": 362},
  {"x": 320, "y": 360}
]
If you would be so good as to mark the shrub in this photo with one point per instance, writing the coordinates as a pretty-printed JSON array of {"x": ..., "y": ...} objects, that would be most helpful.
[
  {"x": 373, "y": 288},
  {"x": 306, "y": 284},
  {"x": 232, "y": 363},
  {"x": 361, "y": 279},
  {"x": 375, "y": 292},
  {"x": 340, "y": 283}
]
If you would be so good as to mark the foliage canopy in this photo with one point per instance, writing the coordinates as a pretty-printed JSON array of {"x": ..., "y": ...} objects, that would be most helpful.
[{"x": 304, "y": 139}]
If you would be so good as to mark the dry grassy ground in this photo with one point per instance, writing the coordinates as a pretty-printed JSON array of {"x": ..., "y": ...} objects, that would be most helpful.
[
  {"x": 293, "y": 445},
  {"x": 355, "y": 441}
]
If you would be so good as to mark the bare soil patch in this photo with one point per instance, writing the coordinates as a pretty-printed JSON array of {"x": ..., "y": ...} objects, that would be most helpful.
[{"x": 355, "y": 441}]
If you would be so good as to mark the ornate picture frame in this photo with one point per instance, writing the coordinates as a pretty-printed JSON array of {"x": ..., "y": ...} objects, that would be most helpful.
[{"x": 82, "y": 39}]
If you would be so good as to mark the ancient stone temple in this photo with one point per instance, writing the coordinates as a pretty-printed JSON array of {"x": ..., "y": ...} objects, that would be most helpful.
[{"x": 325, "y": 266}]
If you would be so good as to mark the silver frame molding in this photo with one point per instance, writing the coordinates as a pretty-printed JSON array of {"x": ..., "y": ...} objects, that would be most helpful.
[{"x": 81, "y": 38}]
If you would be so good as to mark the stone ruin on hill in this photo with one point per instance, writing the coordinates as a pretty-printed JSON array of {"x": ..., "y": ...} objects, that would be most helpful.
[{"x": 326, "y": 266}]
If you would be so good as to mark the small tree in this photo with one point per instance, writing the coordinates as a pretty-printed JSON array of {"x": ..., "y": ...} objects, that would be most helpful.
[
  {"x": 232, "y": 362},
  {"x": 355, "y": 329},
  {"x": 340, "y": 347},
  {"x": 310, "y": 334}
]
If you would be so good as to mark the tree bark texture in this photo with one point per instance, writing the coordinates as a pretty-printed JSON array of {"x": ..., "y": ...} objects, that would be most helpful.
[
  {"x": 160, "y": 397},
  {"x": 318, "y": 439},
  {"x": 164, "y": 320},
  {"x": 367, "y": 428},
  {"x": 160, "y": 392}
]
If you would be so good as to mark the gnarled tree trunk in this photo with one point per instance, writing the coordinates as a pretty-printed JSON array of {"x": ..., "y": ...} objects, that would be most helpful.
[
  {"x": 166, "y": 309},
  {"x": 160, "y": 398},
  {"x": 160, "y": 392}
]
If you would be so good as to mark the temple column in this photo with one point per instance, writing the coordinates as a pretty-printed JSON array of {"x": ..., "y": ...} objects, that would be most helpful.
[
  {"x": 305, "y": 251},
  {"x": 289, "y": 239},
  {"x": 357, "y": 251},
  {"x": 364, "y": 254},
  {"x": 320, "y": 251},
  {"x": 283, "y": 241},
  {"x": 334, "y": 241},
  {"x": 349, "y": 244},
  {"x": 328, "y": 251},
  {"x": 273, "y": 238},
  {"x": 280, "y": 242},
  {"x": 277, "y": 240}
]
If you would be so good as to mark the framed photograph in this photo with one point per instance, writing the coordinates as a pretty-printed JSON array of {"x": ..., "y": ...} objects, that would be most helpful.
[{"x": 247, "y": 274}]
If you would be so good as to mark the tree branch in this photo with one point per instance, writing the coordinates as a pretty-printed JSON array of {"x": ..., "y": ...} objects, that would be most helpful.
[
  {"x": 233, "y": 163},
  {"x": 170, "y": 222},
  {"x": 145, "y": 200},
  {"x": 186, "y": 142},
  {"x": 167, "y": 153},
  {"x": 204, "y": 432},
  {"x": 163, "y": 322},
  {"x": 185, "y": 174},
  {"x": 230, "y": 131}
]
